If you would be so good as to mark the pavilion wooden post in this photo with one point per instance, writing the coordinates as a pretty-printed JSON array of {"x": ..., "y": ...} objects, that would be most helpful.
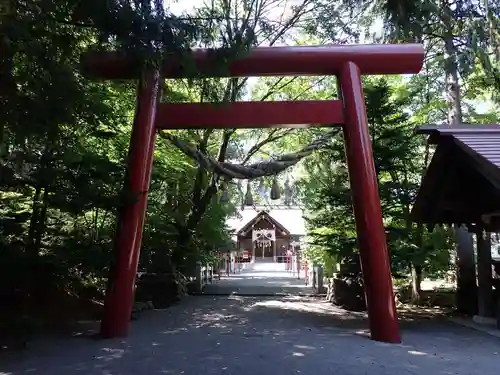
[
  {"x": 121, "y": 284},
  {"x": 274, "y": 244},
  {"x": 253, "y": 247},
  {"x": 380, "y": 302},
  {"x": 484, "y": 274}
]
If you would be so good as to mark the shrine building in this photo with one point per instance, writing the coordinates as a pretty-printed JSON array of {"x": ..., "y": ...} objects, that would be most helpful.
[{"x": 268, "y": 234}]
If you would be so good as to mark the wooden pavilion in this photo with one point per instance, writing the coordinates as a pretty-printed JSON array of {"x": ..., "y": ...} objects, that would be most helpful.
[{"x": 462, "y": 186}]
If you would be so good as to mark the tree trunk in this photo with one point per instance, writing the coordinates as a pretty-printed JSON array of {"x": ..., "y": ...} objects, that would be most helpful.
[
  {"x": 35, "y": 214},
  {"x": 95, "y": 230},
  {"x": 201, "y": 201},
  {"x": 42, "y": 220},
  {"x": 7, "y": 84},
  {"x": 416, "y": 283},
  {"x": 416, "y": 266},
  {"x": 37, "y": 221},
  {"x": 465, "y": 259},
  {"x": 466, "y": 272}
]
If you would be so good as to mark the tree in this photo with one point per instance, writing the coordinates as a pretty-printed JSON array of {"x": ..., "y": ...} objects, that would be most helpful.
[
  {"x": 237, "y": 27},
  {"x": 399, "y": 167}
]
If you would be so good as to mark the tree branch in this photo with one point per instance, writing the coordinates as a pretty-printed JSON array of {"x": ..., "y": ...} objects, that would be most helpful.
[
  {"x": 272, "y": 136},
  {"x": 238, "y": 171}
]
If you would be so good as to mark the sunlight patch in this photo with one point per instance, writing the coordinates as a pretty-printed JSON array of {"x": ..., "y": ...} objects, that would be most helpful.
[
  {"x": 235, "y": 298},
  {"x": 307, "y": 347},
  {"x": 314, "y": 307},
  {"x": 174, "y": 331},
  {"x": 111, "y": 354}
]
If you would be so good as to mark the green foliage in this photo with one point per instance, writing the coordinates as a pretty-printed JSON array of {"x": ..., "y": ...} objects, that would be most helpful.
[{"x": 63, "y": 148}]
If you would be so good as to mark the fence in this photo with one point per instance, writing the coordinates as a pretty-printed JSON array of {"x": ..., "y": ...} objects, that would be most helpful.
[
  {"x": 312, "y": 274},
  {"x": 205, "y": 274},
  {"x": 295, "y": 265},
  {"x": 232, "y": 264}
]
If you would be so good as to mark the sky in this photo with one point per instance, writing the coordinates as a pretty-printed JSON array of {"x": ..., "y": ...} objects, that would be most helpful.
[{"x": 179, "y": 6}]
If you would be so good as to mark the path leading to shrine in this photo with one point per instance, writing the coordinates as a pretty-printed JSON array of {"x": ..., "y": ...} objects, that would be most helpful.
[
  {"x": 263, "y": 278},
  {"x": 266, "y": 336}
]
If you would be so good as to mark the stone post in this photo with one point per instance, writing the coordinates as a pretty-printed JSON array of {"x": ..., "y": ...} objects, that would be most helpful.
[
  {"x": 320, "y": 277},
  {"x": 199, "y": 277},
  {"x": 205, "y": 275},
  {"x": 210, "y": 274}
]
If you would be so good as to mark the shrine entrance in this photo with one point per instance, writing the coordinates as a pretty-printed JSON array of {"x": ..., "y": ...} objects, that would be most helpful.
[
  {"x": 347, "y": 62},
  {"x": 264, "y": 243}
]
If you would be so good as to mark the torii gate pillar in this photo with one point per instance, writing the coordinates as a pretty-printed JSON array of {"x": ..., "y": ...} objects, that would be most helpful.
[
  {"x": 121, "y": 284},
  {"x": 367, "y": 212}
]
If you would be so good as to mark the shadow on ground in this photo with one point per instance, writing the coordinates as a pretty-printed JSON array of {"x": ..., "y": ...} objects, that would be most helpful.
[{"x": 244, "y": 335}]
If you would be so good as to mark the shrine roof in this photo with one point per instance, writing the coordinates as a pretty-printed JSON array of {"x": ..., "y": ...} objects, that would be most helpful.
[
  {"x": 289, "y": 218},
  {"x": 462, "y": 182}
]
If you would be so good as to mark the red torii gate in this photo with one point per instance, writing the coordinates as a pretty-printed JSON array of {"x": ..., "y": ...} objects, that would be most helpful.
[{"x": 348, "y": 63}]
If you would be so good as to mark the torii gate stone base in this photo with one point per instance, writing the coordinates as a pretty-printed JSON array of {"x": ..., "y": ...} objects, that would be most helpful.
[{"x": 348, "y": 63}]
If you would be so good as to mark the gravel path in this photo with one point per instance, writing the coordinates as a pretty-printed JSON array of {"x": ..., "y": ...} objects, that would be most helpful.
[{"x": 261, "y": 336}]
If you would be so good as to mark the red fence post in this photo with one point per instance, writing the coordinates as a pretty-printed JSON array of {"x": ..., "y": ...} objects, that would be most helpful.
[
  {"x": 120, "y": 293},
  {"x": 306, "y": 273},
  {"x": 298, "y": 267},
  {"x": 381, "y": 306}
]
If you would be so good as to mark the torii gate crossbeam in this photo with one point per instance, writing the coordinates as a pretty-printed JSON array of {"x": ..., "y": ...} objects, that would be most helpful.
[{"x": 348, "y": 63}]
